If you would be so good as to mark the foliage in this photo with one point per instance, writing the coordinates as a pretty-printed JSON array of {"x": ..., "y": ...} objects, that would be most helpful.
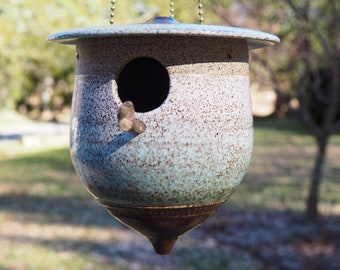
[
  {"x": 30, "y": 68},
  {"x": 26, "y": 57}
]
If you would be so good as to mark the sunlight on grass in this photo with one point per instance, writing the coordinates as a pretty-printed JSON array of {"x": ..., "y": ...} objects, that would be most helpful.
[
  {"x": 19, "y": 148},
  {"x": 44, "y": 173},
  {"x": 11, "y": 118},
  {"x": 45, "y": 258}
]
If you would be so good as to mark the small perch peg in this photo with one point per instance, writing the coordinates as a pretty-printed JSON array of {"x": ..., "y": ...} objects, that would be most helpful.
[{"x": 127, "y": 121}]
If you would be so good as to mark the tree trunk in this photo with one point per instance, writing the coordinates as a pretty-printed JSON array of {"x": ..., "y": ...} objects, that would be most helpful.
[{"x": 312, "y": 213}]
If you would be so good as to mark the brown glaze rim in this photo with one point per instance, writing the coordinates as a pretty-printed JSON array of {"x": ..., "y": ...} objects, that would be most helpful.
[{"x": 163, "y": 225}]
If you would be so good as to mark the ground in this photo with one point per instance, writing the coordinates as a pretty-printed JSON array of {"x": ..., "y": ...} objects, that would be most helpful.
[{"x": 49, "y": 221}]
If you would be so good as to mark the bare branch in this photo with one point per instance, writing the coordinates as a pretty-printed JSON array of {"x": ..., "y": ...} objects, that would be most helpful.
[
  {"x": 316, "y": 87},
  {"x": 324, "y": 41},
  {"x": 304, "y": 113},
  {"x": 336, "y": 127},
  {"x": 305, "y": 116},
  {"x": 294, "y": 7},
  {"x": 333, "y": 108},
  {"x": 273, "y": 75},
  {"x": 303, "y": 17}
]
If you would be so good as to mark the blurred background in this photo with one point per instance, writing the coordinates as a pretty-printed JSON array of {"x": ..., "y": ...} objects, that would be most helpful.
[{"x": 285, "y": 214}]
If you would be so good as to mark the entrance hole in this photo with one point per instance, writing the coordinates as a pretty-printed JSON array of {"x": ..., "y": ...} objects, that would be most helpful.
[{"x": 145, "y": 82}]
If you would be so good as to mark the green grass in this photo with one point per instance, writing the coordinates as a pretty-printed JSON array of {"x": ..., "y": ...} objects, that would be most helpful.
[
  {"x": 11, "y": 118},
  {"x": 279, "y": 174},
  {"x": 49, "y": 221},
  {"x": 44, "y": 173}
]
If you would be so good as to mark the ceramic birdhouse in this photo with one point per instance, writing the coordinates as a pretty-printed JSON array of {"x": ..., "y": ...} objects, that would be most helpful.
[{"x": 161, "y": 128}]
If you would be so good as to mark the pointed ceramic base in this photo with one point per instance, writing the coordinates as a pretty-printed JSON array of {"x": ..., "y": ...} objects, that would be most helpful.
[{"x": 163, "y": 225}]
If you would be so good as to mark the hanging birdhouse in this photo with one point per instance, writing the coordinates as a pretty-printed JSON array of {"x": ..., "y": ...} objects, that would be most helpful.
[{"x": 161, "y": 129}]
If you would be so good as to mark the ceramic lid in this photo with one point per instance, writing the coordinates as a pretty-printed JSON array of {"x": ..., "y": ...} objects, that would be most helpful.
[{"x": 168, "y": 27}]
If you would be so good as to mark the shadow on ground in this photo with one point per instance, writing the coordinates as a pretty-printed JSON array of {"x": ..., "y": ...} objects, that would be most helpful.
[
  {"x": 268, "y": 239},
  {"x": 57, "y": 210}
]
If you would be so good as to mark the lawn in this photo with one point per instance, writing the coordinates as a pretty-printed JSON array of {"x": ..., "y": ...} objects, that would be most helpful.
[{"x": 49, "y": 221}]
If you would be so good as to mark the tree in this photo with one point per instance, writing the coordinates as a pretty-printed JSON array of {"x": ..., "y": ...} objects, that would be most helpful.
[
  {"x": 28, "y": 61},
  {"x": 305, "y": 66},
  {"x": 321, "y": 39}
]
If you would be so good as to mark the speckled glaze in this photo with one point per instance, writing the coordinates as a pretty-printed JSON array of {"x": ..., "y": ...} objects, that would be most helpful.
[{"x": 197, "y": 144}]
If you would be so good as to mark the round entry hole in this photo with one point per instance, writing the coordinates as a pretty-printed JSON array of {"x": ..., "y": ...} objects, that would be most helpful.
[{"x": 145, "y": 82}]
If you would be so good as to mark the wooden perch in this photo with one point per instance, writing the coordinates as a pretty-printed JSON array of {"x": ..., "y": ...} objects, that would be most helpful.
[{"x": 127, "y": 121}]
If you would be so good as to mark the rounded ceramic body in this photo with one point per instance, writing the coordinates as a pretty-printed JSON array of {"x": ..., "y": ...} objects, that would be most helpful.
[{"x": 198, "y": 142}]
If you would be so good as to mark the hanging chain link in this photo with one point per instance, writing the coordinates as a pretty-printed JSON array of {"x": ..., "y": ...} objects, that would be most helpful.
[
  {"x": 172, "y": 9},
  {"x": 113, "y": 9},
  {"x": 200, "y": 12}
]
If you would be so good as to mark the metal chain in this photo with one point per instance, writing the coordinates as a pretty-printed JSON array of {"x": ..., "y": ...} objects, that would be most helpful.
[
  {"x": 113, "y": 9},
  {"x": 200, "y": 12},
  {"x": 172, "y": 9}
]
